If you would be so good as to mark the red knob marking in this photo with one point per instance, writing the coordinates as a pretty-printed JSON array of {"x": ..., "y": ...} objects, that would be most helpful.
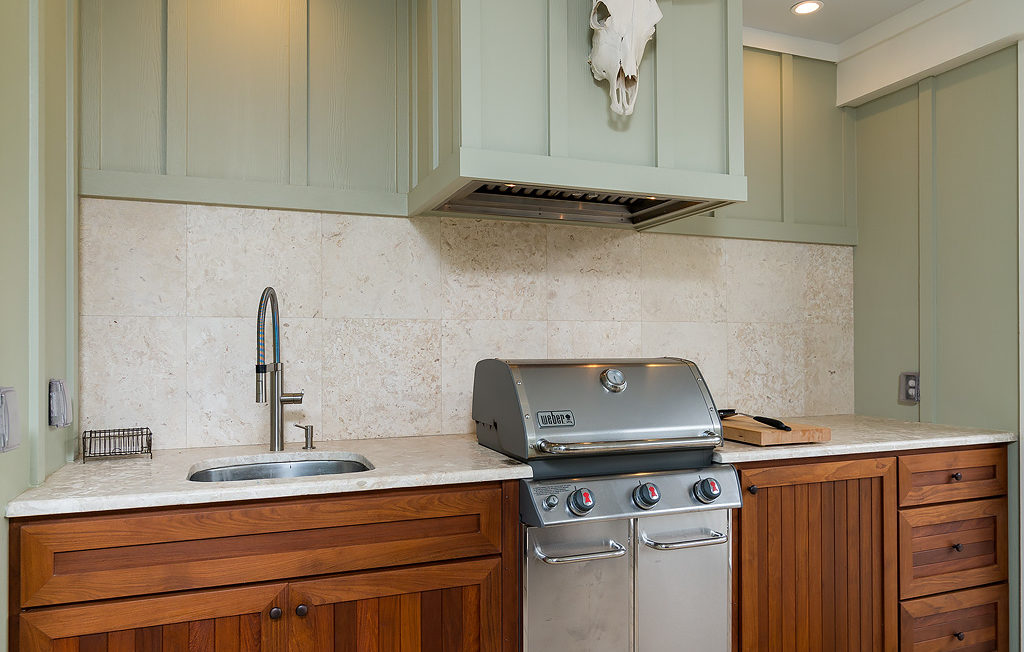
[
  {"x": 652, "y": 491},
  {"x": 714, "y": 486}
]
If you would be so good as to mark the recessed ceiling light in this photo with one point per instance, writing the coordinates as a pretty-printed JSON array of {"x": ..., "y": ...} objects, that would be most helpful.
[{"x": 807, "y": 7}]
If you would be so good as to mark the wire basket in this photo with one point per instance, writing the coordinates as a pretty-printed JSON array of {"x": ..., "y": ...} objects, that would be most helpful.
[{"x": 120, "y": 442}]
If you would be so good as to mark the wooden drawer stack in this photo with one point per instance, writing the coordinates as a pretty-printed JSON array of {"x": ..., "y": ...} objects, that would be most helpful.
[{"x": 953, "y": 550}]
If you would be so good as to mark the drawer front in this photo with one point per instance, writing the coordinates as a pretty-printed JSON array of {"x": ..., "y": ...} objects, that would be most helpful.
[
  {"x": 957, "y": 475},
  {"x": 92, "y": 558},
  {"x": 952, "y": 547},
  {"x": 976, "y": 619}
]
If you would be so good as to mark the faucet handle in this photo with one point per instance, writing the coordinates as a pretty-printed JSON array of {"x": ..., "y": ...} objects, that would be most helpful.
[{"x": 308, "y": 430}]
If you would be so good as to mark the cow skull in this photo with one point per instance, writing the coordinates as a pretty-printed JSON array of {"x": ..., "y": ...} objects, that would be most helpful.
[{"x": 622, "y": 29}]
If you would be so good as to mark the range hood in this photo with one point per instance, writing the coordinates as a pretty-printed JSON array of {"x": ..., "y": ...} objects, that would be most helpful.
[{"x": 500, "y": 128}]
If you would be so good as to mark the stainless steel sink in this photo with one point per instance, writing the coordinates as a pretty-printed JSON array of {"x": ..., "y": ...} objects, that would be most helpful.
[{"x": 278, "y": 469}]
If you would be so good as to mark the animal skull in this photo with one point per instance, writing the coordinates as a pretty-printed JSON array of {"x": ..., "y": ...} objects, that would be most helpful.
[{"x": 622, "y": 29}]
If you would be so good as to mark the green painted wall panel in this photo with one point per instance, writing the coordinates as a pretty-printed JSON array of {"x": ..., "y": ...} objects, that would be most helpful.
[
  {"x": 352, "y": 98},
  {"x": 514, "y": 93},
  {"x": 238, "y": 74},
  {"x": 699, "y": 97},
  {"x": 886, "y": 328},
  {"x": 975, "y": 239},
  {"x": 762, "y": 131},
  {"x": 124, "y": 76},
  {"x": 815, "y": 166}
]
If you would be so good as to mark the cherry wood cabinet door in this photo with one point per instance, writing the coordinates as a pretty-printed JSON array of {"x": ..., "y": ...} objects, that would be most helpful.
[
  {"x": 447, "y": 607},
  {"x": 815, "y": 557},
  {"x": 219, "y": 620}
]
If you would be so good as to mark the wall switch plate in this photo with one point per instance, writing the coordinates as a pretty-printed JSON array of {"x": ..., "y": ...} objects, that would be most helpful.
[
  {"x": 10, "y": 428},
  {"x": 910, "y": 388},
  {"x": 60, "y": 406}
]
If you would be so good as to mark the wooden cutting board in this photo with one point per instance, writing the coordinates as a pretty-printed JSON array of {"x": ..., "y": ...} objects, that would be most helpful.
[{"x": 748, "y": 431}]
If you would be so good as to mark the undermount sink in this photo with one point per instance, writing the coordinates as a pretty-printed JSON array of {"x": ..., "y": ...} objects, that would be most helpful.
[{"x": 278, "y": 469}]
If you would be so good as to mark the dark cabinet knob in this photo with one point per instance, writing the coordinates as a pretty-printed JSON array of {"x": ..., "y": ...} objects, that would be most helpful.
[
  {"x": 957, "y": 477},
  {"x": 301, "y": 610},
  {"x": 960, "y": 636},
  {"x": 752, "y": 488},
  {"x": 959, "y": 547},
  {"x": 276, "y": 613}
]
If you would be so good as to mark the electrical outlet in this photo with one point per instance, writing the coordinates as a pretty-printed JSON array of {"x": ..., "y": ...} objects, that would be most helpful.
[{"x": 910, "y": 388}]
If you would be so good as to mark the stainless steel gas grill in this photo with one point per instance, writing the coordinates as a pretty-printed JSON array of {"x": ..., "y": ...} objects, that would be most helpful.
[{"x": 626, "y": 520}]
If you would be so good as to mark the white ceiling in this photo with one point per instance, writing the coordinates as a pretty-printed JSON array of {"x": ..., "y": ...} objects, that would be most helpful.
[{"x": 835, "y": 22}]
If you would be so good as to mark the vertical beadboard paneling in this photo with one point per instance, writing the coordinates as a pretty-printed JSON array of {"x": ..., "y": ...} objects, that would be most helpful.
[
  {"x": 238, "y": 125},
  {"x": 352, "y": 94},
  {"x": 816, "y": 563}
]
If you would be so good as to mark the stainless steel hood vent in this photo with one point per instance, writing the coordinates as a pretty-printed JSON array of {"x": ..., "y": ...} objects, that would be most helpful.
[{"x": 534, "y": 202}]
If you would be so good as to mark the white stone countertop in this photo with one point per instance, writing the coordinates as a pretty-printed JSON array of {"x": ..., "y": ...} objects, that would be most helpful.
[
  {"x": 853, "y": 434},
  {"x": 131, "y": 483}
]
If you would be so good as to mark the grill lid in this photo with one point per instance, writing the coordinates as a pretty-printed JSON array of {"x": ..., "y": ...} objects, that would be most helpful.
[{"x": 548, "y": 409}]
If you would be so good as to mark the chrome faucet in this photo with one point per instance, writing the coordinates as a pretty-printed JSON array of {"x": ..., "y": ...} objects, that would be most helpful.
[{"x": 278, "y": 399}]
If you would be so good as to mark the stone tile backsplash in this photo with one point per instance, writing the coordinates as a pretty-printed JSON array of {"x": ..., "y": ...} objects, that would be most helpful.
[{"x": 384, "y": 318}]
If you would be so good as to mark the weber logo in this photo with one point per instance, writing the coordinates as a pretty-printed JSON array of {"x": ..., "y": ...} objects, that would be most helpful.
[{"x": 552, "y": 419}]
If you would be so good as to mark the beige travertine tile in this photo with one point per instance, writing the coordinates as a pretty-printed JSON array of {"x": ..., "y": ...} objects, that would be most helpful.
[
  {"x": 706, "y": 344},
  {"x": 133, "y": 375},
  {"x": 593, "y": 339},
  {"x": 233, "y": 253},
  {"x": 132, "y": 258},
  {"x": 222, "y": 408},
  {"x": 683, "y": 278},
  {"x": 593, "y": 274},
  {"x": 381, "y": 267},
  {"x": 828, "y": 368},
  {"x": 493, "y": 269},
  {"x": 828, "y": 292},
  {"x": 765, "y": 281},
  {"x": 464, "y": 343},
  {"x": 766, "y": 368},
  {"x": 382, "y": 378}
]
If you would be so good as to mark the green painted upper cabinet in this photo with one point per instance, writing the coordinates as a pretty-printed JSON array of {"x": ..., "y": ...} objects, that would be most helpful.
[
  {"x": 280, "y": 103},
  {"x": 799, "y": 157},
  {"x": 502, "y": 95}
]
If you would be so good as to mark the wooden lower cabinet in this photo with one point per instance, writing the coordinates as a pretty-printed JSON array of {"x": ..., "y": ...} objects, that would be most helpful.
[
  {"x": 824, "y": 552},
  {"x": 466, "y": 601},
  {"x": 815, "y": 563}
]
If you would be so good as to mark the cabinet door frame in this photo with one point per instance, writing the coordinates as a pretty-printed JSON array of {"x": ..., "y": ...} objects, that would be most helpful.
[
  {"x": 314, "y": 630},
  {"x": 754, "y": 478},
  {"x": 40, "y": 629}
]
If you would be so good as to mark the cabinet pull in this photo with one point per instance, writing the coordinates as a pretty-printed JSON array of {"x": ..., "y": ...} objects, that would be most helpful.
[
  {"x": 957, "y": 477},
  {"x": 752, "y": 489},
  {"x": 959, "y": 547},
  {"x": 960, "y": 636},
  {"x": 301, "y": 610},
  {"x": 276, "y": 613}
]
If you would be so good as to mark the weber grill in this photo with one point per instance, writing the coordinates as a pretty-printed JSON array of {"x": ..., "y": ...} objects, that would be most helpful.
[{"x": 626, "y": 520}]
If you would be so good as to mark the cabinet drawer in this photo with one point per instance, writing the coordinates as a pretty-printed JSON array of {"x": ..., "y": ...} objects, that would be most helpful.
[
  {"x": 976, "y": 619},
  {"x": 952, "y": 547},
  {"x": 91, "y": 558},
  {"x": 956, "y": 475}
]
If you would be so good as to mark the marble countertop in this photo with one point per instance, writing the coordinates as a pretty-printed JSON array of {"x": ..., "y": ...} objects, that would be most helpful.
[
  {"x": 853, "y": 434},
  {"x": 131, "y": 483}
]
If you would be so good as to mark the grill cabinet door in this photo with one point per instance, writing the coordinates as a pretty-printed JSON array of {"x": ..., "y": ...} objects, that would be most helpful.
[
  {"x": 578, "y": 605},
  {"x": 683, "y": 582}
]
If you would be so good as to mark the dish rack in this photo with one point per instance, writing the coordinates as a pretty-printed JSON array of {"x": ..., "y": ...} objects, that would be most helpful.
[{"x": 120, "y": 442}]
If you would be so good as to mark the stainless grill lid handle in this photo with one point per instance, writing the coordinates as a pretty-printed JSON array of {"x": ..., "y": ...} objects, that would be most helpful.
[
  {"x": 712, "y": 537},
  {"x": 617, "y": 550},
  {"x": 711, "y": 440}
]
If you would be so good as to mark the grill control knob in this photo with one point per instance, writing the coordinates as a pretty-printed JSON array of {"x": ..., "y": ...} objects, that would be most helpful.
[
  {"x": 551, "y": 502},
  {"x": 646, "y": 495},
  {"x": 707, "y": 490},
  {"x": 613, "y": 380},
  {"x": 581, "y": 501}
]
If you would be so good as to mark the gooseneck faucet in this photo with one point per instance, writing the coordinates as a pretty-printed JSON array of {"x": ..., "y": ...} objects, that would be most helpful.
[{"x": 278, "y": 399}]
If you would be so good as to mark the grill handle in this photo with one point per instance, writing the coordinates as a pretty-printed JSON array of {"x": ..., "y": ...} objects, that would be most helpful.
[
  {"x": 712, "y": 538},
  {"x": 617, "y": 550},
  {"x": 711, "y": 440}
]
